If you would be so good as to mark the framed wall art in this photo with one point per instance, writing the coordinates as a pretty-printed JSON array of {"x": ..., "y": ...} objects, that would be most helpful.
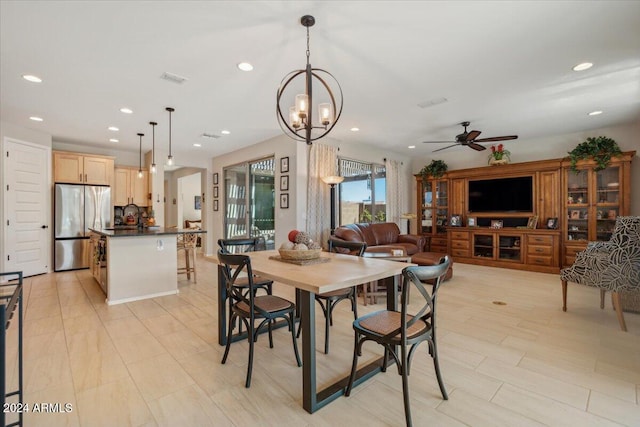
[
  {"x": 284, "y": 183},
  {"x": 215, "y": 178},
  {"x": 197, "y": 204},
  {"x": 215, "y": 192},
  {"x": 284, "y": 201},
  {"x": 284, "y": 164},
  {"x": 215, "y": 205}
]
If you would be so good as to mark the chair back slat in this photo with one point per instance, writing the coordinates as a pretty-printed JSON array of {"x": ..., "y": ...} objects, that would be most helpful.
[
  {"x": 234, "y": 267},
  {"x": 419, "y": 277},
  {"x": 242, "y": 245},
  {"x": 342, "y": 246}
]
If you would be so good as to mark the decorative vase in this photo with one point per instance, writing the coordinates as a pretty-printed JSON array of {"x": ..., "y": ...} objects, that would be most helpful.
[{"x": 502, "y": 161}]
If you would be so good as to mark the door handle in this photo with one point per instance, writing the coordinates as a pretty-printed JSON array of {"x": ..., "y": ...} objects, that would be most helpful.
[{"x": 45, "y": 226}]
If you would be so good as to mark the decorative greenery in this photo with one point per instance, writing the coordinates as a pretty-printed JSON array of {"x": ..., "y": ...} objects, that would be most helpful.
[
  {"x": 499, "y": 153},
  {"x": 436, "y": 169},
  {"x": 365, "y": 216},
  {"x": 600, "y": 149}
]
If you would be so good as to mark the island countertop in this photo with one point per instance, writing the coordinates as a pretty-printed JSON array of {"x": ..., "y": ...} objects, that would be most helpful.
[{"x": 133, "y": 232}]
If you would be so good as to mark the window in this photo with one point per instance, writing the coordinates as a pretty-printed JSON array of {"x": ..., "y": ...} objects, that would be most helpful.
[
  {"x": 250, "y": 213},
  {"x": 362, "y": 195}
]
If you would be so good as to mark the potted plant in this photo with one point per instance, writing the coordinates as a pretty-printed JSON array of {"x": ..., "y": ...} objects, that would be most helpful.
[
  {"x": 499, "y": 156},
  {"x": 600, "y": 149},
  {"x": 436, "y": 169}
]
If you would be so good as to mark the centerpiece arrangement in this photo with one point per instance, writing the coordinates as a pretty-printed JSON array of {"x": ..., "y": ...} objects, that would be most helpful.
[
  {"x": 299, "y": 247},
  {"x": 499, "y": 156}
]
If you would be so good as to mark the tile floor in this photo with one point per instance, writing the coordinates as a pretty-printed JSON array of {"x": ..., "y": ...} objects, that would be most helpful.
[{"x": 157, "y": 362}]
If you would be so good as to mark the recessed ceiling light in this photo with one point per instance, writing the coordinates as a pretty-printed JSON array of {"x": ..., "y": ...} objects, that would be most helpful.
[
  {"x": 411, "y": 146},
  {"x": 245, "y": 66},
  {"x": 197, "y": 145},
  {"x": 225, "y": 132},
  {"x": 36, "y": 119},
  {"x": 583, "y": 66},
  {"x": 355, "y": 129},
  {"x": 32, "y": 78},
  {"x": 114, "y": 140},
  {"x": 595, "y": 113},
  {"x": 113, "y": 129},
  {"x": 126, "y": 110}
]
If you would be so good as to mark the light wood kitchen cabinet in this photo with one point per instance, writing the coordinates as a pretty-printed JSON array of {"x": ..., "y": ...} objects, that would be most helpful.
[
  {"x": 128, "y": 188},
  {"x": 75, "y": 168}
]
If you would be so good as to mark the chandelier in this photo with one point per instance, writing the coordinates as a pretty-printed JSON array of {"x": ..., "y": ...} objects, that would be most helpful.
[{"x": 300, "y": 125}]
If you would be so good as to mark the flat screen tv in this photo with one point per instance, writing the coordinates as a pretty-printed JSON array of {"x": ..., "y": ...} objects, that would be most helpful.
[{"x": 501, "y": 195}]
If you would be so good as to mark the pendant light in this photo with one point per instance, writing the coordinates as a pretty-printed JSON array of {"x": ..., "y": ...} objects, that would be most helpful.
[
  {"x": 170, "y": 157},
  {"x": 140, "y": 156},
  {"x": 153, "y": 147}
]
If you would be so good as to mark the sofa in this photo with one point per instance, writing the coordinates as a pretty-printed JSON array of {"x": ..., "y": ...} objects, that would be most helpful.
[{"x": 381, "y": 237}]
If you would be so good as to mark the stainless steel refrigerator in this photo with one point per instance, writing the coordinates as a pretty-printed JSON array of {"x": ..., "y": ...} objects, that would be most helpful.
[{"x": 78, "y": 208}]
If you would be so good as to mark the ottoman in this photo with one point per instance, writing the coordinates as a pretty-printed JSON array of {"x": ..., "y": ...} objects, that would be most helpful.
[{"x": 432, "y": 258}]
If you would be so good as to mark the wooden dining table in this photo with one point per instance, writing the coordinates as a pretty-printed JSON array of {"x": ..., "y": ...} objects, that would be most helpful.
[{"x": 334, "y": 271}]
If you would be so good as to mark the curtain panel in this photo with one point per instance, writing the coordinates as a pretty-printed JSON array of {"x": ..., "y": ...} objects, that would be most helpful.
[{"x": 323, "y": 161}]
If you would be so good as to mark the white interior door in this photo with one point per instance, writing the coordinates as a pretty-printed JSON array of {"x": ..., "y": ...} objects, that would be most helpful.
[{"x": 27, "y": 214}]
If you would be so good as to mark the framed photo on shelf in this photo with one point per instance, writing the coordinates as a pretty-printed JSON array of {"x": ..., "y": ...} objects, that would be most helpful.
[
  {"x": 284, "y": 164},
  {"x": 552, "y": 223},
  {"x": 455, "y": 221},
  {"x": 284, "y": 201},
  {"x": 575, "y": 214},
  {"x": 215, "y": 192},
  {"x": 215, "y": 178},
  {"x": 215, "y": 205},
  {"x": 284, "y": 183},
  {"x": 496, "y": 223},
  {"x": 533, "y": 222},
  {"x": 471, "y": 221}
]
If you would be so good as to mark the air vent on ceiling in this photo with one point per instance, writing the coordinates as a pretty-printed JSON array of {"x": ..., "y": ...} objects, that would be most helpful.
[
  {"x": 210, "y": 135},
  {"x": 432, "y": 102},
  {"x": 173, "y": 78}
]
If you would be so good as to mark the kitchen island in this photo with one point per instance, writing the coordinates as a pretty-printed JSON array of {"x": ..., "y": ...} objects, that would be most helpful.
[{"x": 135, "y": 264}]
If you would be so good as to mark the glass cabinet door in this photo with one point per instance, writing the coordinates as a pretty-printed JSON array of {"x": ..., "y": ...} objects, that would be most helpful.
[
  {"x": 442, "y": 203},
  {"x": 607, "y": 202},
  {"x": 483, "y": 245},
  {"x": 427, "y": 207},
  {"x": 509, "y": 248},
  {"x": 578, "y": 205}
]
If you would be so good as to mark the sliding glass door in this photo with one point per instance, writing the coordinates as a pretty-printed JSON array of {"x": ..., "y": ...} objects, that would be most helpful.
[{"x": 250, "y": 200}]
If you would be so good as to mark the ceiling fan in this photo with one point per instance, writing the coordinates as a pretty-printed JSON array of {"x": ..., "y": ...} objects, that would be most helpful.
[{"x": 469, "y": 139}]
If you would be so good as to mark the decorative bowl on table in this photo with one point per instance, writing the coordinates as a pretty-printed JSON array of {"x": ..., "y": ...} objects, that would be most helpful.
[{"x": 300, "y": 255}]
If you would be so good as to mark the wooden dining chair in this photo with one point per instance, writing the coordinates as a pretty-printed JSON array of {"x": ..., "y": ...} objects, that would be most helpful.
[
  {"x": 393, "y": 329},
  {"x": 249, "y": 308},
  {"x": 329, "y": 300}
]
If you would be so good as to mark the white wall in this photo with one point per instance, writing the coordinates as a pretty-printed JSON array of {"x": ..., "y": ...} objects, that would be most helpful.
[
  {"x": 188, "y": 188},
  {"x": 529, "y": 149}
]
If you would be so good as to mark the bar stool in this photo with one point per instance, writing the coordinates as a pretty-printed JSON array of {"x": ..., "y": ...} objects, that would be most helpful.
[{"x": 187, "y": 242}]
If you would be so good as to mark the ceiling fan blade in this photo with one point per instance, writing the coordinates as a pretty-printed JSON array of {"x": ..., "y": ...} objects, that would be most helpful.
[
  {"x": 497, "y": 138},
  {"x": 472, "y": 135},
  {"x": 444, "y": 148},
  {"x": 437, "y": 142},
  {"x": 476, "y": 147}
]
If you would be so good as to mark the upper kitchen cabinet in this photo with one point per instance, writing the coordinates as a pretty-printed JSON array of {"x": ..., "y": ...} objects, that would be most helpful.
[
  {"x": 128, "y": 188},
  {"x": 75, "y": 168}
]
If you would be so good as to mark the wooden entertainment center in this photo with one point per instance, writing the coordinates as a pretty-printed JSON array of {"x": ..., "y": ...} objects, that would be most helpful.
[{"x": 583, "y": 207}]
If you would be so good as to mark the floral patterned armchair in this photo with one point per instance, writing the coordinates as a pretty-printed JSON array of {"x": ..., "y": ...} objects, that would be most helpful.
[{"x": 611, "y": 266}]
